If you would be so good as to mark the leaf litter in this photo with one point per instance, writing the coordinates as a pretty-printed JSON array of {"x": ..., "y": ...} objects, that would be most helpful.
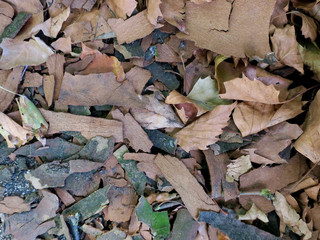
[{"x": 159, "y": 119}]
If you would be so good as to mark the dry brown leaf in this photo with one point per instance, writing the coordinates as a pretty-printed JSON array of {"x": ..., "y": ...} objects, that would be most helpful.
[
  {"x": 48, "y": 88},
  {"x": 285, "y": 47},
  {"x": 138, "y": 138},
  {"x": 138, "y": 77},
  {"x": 308, "y": 143},
  {"x": 98, "y": 89},
  {"x": 190, "y": 191},
  {"x": 35, "y": 8},
  {"x": 186, "y": 109},
  {"x": 200, "y": 1},
  {"x": 89, "y": 127},
  {"x": 62, "y": 44},
  {"x": 205, "y": 130},
  {"x": 166, "y": 54},
  {"x": 122, "y": 8},
  {"x": 13, "y": 204},
  {"x": 134, "y": 28},
  {"x": 306, "y": 5},
  {"x": 19, "y": 53},
  {"x": 55, "y": 65},
  {"x": 145, "y": 164},
  {"x": 237, "y": 33},
  {"x": 9, "y": 80},
  {"x": 80, "y": 65},
  {"x": 6, "y": 15},
  {"x": 309, "y": 27},
  {"x": 279, "y": 16},
  {"x": 173, "y": 12},
  {"x": 253, "y": 214},
  {"x": 153, "y": 12},
  {"x": 274, "y": 178},
  {"x": 101, "y": 63},
  {"x": 52, "y": 26},
  {"x": 253, "y": 91},
  {"x": 156, "y": 114},
  {"x": 32, "y": 80},
  {"x": 89, "y": 25},
  {"x": 238, "y": 167},
  {"x": 290, "y": 217}
]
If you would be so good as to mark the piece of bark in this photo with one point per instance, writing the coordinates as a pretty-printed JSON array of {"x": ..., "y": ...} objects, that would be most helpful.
[
  {"x": 131, "y": 29},
  {"x": 55, "y": 66},
  {"x": 190, "y": 191},
  {"x": 9, "y": 81},
  {"x": 138, "y": 139},
  {"x": 217, "y": 166},
  {"x": 88, "y": 126}
]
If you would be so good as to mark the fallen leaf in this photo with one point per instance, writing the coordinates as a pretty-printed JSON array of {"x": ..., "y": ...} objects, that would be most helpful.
[
  {"x": 88, "y": 126},
  {"x": 55, "y": 65},
  {"x": 52, "y": 26},
  {"x": 308, "y": 143},
  {"x": 48, "y": 88},
  {"x": 138, "y": 77},
  {"x": 98, "y": 89},
  {"x": 190, "y": 191},
  {"x": 285, "y": 47},
  {"x": 205, "y": 93},
  {"x": 134, "y": 28},
  {"x": 204, "y": 131},
  {"x": 173, "y": 12},
  {"x": 309, "y": 27},
  {"x": 20, "y": 53},
  {"x": 154, "y": 12},
  {"x": 10, "y": 81},
  {"x": 290, "y": 217},
  {"x": 184, "y": 226},
  {"x": 14, "y": 134},
  {"x": 162, "y": 141},
  {"x": 215, "y": 27},
  {"x": 138, "y": 139},
  {"x": 279, "y": 16},
  {"x": 155, "y": 115},
  {"x": 166, "y": 54},
  {"x": 306, "y": 5},
  {"x": 13, "y": 204},
  {"x": 253, "y": 214},
  {"x": 62, "y": 44},
  {"x": 310, "y": 56},
  {"x": 122, "y": 8},
  {"x": 238, "y": 167},
  {"x": 80, "y": 65},
  {"x": 248, "y": 90},
  {"x": 31, "y": 80},
  {"x": 101, "y": 63}
]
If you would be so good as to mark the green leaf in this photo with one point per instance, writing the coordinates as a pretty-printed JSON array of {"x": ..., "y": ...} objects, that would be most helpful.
[
  {"x": 137, "y": 178},
  {"x": 311, "y": 57},
  {"x": 157, "y": 221},
  {"x": 205, "y": 93}
]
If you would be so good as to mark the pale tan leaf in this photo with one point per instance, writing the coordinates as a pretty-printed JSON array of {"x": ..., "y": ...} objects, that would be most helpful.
[
  {"x": 134, "y": 28},
  {"x": 279, "y": 16},
  {"x": 204, "y": 131},
  {"x": 19, "y": 53},
  {"x": 309, "y": 27},
  {"x": 55, "y": 65},
  {"x": 253, "y": 214},
  {"x": 138, "y": 77},
  {"x": 166, "y": 54},
  {"x": 52, "y": 26},
  {"x": 173, "y": 12},
  {"x": 228, "y": 28},
  {"x": 62, "y": 44},
  {"x": 190, "y": 191},
  {"x": 122, "y": 8},
  {"x": 238, "y": 167},
  {"x": 308, "y": 143},
  {"x": 156, "y": 114},
  {"x": 153, "y": 12},
  {"x": 290, "y": 217},
  {"x": 48, "y": 88},
  {"x": 253, "y": 91},
  {"x": 138, "y": 138},
  {"x": 13, "y": 204},
  {"x": 14, "y": 134},
  {"x": 89, "y": 127},
  {"x": 285, "y": 47}
]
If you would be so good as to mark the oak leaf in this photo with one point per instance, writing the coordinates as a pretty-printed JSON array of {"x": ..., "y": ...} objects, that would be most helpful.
[{"x": 204, "y": 131}]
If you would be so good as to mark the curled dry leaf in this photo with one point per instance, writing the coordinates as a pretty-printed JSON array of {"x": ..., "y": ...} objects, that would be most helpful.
[
  {"x": 253, "y": 214},
  {"x": 309, "y": 27},
  {"x": 279, "y": 16},
  {"x": 186, "y": 109},
  {"x": 122, "y": 8},
  {"x": 204, "y": 131},
  {"x": 253, "y": 91},
  {"x": 238, "y": 167},
  {"x": 285, "y": 47},
  {"x": 19, "y": 53},
  {"x": 14, "y": 134},
  {"x": 308, "y": 143},
  {"x": 156, "y": 114},
  {"x": 52, "y": 26},
  {"x": 237, "y": 33},
  {"x": 290, "y": 217},
  {"x": 13, "y": 204}
]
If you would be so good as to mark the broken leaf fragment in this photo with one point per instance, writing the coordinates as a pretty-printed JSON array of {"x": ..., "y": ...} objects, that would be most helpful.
[
  {"x": 157, "y": 221},
  {"x": 254, "y": 213},
  {"x": 238, "y": 167}
]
